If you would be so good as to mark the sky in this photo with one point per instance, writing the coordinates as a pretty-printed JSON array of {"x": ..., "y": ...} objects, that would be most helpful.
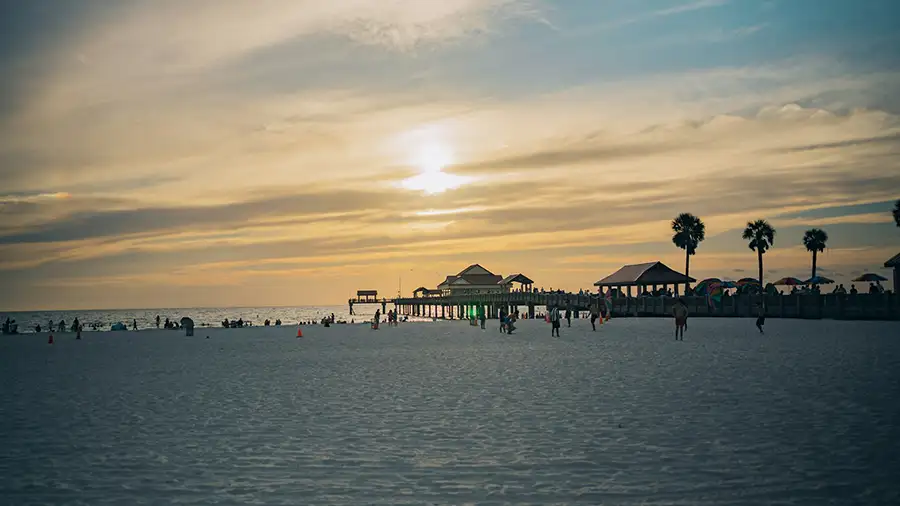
[{"x": 200, "y": 154}]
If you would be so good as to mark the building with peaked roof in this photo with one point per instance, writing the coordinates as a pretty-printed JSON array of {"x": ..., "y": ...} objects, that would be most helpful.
[
  {"x": 643, "y": 275},
  {"x": 895, "y": 264},
  {"x": 526, "y": 283},
  {"x": 474, "y": 279}
]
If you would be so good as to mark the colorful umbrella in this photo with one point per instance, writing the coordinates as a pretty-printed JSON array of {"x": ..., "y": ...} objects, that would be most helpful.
[
  {"x": 819, "y": 280},
  {"x": 870, "y": 277},
  {"x": 789, "y": 282},
  {"x": 714, "y": 292}
]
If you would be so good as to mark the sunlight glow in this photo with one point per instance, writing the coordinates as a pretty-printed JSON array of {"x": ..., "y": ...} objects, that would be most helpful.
[{"x": 431, "y": 159}]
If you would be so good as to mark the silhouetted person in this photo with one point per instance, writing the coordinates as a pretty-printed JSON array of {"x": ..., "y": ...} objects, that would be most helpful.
[
  {"x": 157, "y": 321},
  {"x": 853, "y": 290},
  {"x": 760, "y": 317},
  {"x": 37, "y": 328},
  {"x": 62, "y": 326},
  {"x": 568, "y": 317},
  {"x": 134, "y": 324},
  {"x": 554, "y": 321},
  {"x": 595, "y": 313},
  {"x": 680, "y": 312}
]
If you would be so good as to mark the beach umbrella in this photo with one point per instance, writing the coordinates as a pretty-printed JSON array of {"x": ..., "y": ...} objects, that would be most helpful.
[
  {"x": 870, "y": 277},
  {"x": 729, "y": 284},
  {"x": 789, "y": 281},
  {"x": 702, "y": 287},
  {"x": 748, "y": 281},
  {"x": 819, "y": 280},
  {"x": 714, "y": 292}
]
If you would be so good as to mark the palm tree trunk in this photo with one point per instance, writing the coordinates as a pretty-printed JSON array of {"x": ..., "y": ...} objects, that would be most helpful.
[
  {"x": 814, "y": 263},
  {"x": 763, "y": 286},
  {"x": 687, "y": 270}
]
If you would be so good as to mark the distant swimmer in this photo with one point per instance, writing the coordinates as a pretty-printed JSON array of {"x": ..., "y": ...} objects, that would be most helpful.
[{"x": 680, "y": 312}]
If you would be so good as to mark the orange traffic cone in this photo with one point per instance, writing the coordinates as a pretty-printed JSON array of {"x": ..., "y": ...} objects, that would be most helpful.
[
  {"x": 50, "y": 340},
  {"x": 299, "y": 332}
]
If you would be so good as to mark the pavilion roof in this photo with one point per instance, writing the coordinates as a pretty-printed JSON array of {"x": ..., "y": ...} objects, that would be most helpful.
[
  {"x": 516, "y": 278},
  {"x": 651, "y": 273},
  {"x": 893, "y": 262}
]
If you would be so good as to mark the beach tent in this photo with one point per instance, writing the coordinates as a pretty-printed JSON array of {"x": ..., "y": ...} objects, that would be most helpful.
[{"x": 188, "y": 326}]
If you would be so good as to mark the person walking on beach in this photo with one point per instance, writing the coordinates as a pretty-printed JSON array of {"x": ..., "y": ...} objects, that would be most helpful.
[
  {"x": 502, "y": 320},
  {"x": 568, "y": 316},
  {"x": 554, "y": 321},
  {"x": 511, "y": 323},
  {"x": 377, "y": 319},
  {"x": 595, "y": 313},
  {"x": 157, "y": 321},
  {"x": 481, "y": 316},
  {"x": 760, "y": 317},
  {"x": 134, "y": 324},
  {"x": 680, "y": 312}
]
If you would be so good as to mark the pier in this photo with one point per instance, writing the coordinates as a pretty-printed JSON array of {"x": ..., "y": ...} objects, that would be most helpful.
[
  {"x": 882, "y": 306},
  {"x": 476, "y": 290}
]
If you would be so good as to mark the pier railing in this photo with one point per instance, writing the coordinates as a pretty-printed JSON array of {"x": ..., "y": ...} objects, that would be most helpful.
[{"x": 884, "y": 306}]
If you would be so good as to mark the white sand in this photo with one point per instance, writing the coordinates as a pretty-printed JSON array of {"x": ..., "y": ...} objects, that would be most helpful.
[{"x": 447, "y": 414}]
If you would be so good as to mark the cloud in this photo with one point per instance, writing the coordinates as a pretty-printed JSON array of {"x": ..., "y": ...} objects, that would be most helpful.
[
  {"x": 275, "y": 153},
  {"x": 690, "y": 6}
]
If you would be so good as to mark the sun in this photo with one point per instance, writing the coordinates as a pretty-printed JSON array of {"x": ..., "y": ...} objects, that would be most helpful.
[{"x": 431, "y": 160}]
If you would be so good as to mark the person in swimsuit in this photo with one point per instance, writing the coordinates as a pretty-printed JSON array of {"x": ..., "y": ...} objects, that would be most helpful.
[{"x": 680, "y": 312}]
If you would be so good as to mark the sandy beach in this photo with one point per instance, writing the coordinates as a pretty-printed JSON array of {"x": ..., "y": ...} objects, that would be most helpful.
[{"x": 445, "y": 413}]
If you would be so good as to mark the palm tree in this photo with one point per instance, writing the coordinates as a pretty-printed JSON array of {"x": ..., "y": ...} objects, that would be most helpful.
[
  {"x": 689, "y": 231},
  {"x": 897, "y": 213},
  {"x": 761, "y": 236},
  {"x": 814, "y": 239}
]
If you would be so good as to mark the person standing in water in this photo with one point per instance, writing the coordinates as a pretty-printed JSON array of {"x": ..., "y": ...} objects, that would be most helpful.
[
  {"x": 157, "y": 321},
  {"x": 680, "y": 312},
  {"x": 760, "y": 317},
  {"x": 554, "y": 321}
]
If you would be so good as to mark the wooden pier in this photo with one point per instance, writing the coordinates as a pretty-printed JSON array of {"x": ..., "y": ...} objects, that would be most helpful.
[{"x": 808, "y": 306}]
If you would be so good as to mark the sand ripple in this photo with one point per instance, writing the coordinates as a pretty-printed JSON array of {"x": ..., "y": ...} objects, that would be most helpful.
[{"x": 446, "y": 414}]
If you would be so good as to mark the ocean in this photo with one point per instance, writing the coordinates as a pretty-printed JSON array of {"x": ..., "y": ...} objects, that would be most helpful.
[{"x": 212, "y": 317}]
